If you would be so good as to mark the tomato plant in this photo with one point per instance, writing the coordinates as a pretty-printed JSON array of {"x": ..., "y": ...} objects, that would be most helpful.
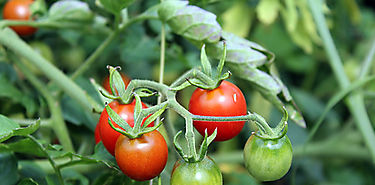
[
  {"x": 106, "y": 83},
  {"x": 268, "y": 159},
  {"x": 142, "y": 158},
  {"x": 225, "y": 100},
  {"x": 107, "y": 134},
  {"x": 19, "y": 10},
  {"x": 204, "y": 172}
]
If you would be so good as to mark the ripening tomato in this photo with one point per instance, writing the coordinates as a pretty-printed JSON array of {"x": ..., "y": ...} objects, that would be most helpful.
[
  {"x": 19, "y": 10},
  {"x": 268, "y": 159},
  {"x": 97, "y": 134},
  {"x": 106, "y": 85},
  {"x": 142, "y": 158},
  {"x": 107, "y": 134},
  {"x": 204, "y": 172},
  {"x": 225, "y": 100}
]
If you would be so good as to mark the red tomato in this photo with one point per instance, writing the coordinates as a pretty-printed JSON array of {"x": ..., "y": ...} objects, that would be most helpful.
[
  {"x": 97, "y": 134},
  {"x": 106, "y": 85},
  {"x": 19, "y": 10},
  {"x": 107, "y": 134},
  {"x": 142, "y": 158},
  {"x": 226, "y": 100}
]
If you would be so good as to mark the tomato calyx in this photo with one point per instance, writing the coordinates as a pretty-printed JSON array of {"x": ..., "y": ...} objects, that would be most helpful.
[
  {"x": 191, "y": 157},
  {"x": 139, "y": 115},
  {"x": 273, "y": 133}
]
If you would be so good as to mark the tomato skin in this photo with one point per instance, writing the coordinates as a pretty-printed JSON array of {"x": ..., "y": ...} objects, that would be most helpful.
[
  {"x": 19, "y": 10},
  {"x": 107, "y": 134},
  {"x": 226, "y": 100},
  {"x": 205, "y": 172},
  {"x": 266, "y": 159},
  {"x": 142, "y": 158},
  {"x": 107, "y": 87},
  {"x": 97, "y": 134}
]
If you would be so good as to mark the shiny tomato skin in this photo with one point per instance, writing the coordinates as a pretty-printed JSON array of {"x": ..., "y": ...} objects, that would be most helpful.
[
  {"x": 268, "y": 159},
  {"x": 19, "y": 10},
  {"x": 97, "y": 134},
  {"x": 225, "y": 100},
  {"x": 107, "y": 87},
  {"x": 205, "y": 172},
  {"x": 142, "y": 158},
  {"x": 107, "y": 134}
]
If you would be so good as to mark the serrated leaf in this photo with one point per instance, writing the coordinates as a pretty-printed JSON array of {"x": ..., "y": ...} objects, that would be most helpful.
[
  {"x": 267, "y": 11},
  {"x": 9, "y": 128},
  {"x": 70, "y": 10},
  {"x": 191, "y": 22},
  {"x": 237, "y": 19}
]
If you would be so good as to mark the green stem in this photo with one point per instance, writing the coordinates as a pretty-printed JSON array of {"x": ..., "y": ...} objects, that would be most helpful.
[
  {"x": 59, "y": 127},
  {"x": 44, "y": 24},
  {"x": 52, "y": 162},
  {"x": 354, "y": 102},
  {"x": 366, "y": 65}
]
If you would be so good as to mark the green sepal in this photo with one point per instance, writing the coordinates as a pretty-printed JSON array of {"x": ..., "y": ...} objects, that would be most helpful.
[
  {"x": 118, "y": 120},
  {"x": 150, "y": 129},
  {"x": 137, "y": 112},
  {"x": 178, "y": 146},
  {"x": 116, "y": 82},
  {"x": 154, "y": 116},
  {"x": 206, "y": 65},
  {"x": 103, "y": 94},
  {"x": 144, "y": 92},
  {"x": 222, "y": 60},
  {"x": 206, "y": 142}
]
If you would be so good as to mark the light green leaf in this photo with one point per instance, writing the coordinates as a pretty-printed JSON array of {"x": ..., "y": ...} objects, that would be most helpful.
[
  {"x": 9, "y": 128},
  {"x": 70, "y": 10},
  {"x": 114, "y": 6},
  {"x": 267, "y": 11}
]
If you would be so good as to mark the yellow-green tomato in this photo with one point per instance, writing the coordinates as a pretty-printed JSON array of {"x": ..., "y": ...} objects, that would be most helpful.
[
  {"x": 204, "y": 172},
  {"x": 268, "y": 159}
]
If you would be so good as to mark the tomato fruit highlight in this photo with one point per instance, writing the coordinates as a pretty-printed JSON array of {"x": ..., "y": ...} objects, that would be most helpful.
[
  {"x": 107, "y": 134},
  {"x": 204, "y": 172},
  {"x": 142, "y": 158},
  {"x": 225, "y": 100},
  {"x": 268, "y": 159},
  {"x": 19, "y": 10}
]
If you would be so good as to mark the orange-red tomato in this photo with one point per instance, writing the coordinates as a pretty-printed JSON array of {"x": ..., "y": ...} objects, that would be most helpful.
[
  {"x": 19, "y": 10},
  {"x": 106, "y": 85},
  {"x": 225, "y": 100},
  {"x": 107, "y": 134},
  {"x": 142, "y": 158},
  {"x": 97, "y": 134}
]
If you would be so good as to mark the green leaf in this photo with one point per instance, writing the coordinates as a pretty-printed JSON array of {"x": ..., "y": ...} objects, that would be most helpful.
[
  {"x": 28, "y": 181},
  {"x": 8, "y": 168},
  {"x": 8, "y": 90},
  {"x": 189, "y": 21},
  {"x": 237, "y": 19},
  {"x": 26, "y": 146},
  {"x": 9, "y": 128},
  {"x": 267, "y": 11},
  {"x": 72, "y": 10},
  {"x": 114, "y": 6}
]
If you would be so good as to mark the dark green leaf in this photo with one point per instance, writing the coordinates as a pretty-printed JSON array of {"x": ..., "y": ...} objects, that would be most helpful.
[
  {"x": 9, "y": 128},
  {"x": 72, "y": 10},
  {"x": 8, "y": 168},
  {"x": 189, "y": 21},
  {"x": 26, "y": 146},
  {"x": 28, "y": 181}
]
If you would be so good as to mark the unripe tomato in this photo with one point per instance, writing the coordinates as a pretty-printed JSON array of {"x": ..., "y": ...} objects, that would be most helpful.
[
  {"x": 142, "y": 158},
  {"x": 107, "y": 134},
  {"x": 225, "y": 100},
  {"x": 19, "y": 10},
  {"x": 268, "y": 159},
  {"x": 107, "y": 86},
  {"x": 204, "y": 172}
]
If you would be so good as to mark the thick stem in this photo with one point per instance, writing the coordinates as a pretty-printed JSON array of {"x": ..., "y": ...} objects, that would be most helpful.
[{"x": 59, "y": 127}]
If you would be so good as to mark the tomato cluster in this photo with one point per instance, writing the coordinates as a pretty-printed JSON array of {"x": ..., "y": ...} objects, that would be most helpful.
[{"x": 19, "y": 10}]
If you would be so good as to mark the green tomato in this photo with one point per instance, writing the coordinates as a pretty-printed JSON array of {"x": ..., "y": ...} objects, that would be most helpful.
[
  {"x": 204, "y": 172},
  {"x": 71, "y": 58},
  {"x": 268, "y": 159}
]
